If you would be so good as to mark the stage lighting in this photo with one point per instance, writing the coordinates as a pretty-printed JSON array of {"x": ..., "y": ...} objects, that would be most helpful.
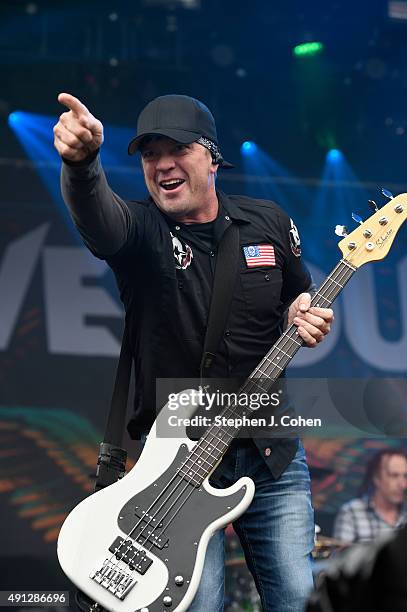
[
  {"x": 248, "y": 147},
  {"x": 14, "y": 118},
  {"x": 308, "y": 48},
  {"x": 334, "y": 155}
]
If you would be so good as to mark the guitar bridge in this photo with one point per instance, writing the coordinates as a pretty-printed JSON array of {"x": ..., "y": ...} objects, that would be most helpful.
[
  {"x": 114, "y": 579},
  {"x": 117, "y": 573}
]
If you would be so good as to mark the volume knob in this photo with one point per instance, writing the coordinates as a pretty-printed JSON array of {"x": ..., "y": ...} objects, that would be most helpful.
[{"x": 167, "y": 601}]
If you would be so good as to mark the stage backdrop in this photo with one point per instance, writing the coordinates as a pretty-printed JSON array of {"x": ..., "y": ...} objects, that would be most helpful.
[{"x": 60, "y": 328}]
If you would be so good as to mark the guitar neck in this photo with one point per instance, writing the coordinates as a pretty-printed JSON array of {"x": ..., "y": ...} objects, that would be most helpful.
[{"x": 210, "y": 449}]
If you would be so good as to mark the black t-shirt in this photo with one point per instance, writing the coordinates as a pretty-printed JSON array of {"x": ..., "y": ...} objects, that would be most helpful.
[{"x": 203, "y": 232}]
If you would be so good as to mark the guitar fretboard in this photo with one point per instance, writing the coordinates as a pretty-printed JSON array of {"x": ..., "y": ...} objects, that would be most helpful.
[{"x": 210, "y": 449}]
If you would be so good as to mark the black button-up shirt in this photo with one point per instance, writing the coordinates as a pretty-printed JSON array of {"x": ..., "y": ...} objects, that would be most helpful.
[{"x": 165, "y": 270}]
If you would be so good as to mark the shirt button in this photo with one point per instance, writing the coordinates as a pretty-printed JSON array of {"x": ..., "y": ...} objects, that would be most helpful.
[
  {"x": 267, "y": 277},
  {"x": 177, "y": 227},
  {"x": 267, "y": 452},
  {"x": 227, "y": 332},
  {"x": 227, "y": 218},
  {"x": 212, "y": 254}
]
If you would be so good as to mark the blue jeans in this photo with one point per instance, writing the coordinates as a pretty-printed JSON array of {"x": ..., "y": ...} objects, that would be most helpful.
[{"x": 276, "y": 533}]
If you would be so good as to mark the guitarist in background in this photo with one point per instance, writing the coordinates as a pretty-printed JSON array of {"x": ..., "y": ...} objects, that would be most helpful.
[
  {"x": 163, "y": 253},
  {"x": 382, "y": 505}
]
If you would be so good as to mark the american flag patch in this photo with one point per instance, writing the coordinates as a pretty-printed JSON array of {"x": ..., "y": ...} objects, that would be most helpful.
[{"x": 259, "y": 255}]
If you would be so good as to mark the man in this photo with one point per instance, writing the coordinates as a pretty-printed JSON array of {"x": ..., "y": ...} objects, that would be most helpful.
[
  {"x": 163, "y": 253},
  {"x": 382, "y": 506}
]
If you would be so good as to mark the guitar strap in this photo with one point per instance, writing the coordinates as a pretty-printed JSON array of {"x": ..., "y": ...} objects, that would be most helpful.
[
  {"x": 111, "y": 463},
  {"x": 222, "y": 294},
  {"x": 112, "y": 457}
]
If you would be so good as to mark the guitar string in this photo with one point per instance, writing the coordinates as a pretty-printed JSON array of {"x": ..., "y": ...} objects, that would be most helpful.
[
  {"x": 293, "y": 337},
  {"x": 251, "y": 382},
  {"x": 348, "y": 270},
  {"x": 152, "y": 544}
]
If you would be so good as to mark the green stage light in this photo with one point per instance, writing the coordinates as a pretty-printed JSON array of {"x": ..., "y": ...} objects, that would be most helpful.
[{"x": 308, "y": 48}]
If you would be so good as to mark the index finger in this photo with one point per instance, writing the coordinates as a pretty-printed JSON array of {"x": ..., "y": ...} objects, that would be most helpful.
[{"x": 73, "y": 104}]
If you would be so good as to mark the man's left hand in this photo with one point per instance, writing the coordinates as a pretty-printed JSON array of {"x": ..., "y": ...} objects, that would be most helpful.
[{"x": 313, "y": 323}]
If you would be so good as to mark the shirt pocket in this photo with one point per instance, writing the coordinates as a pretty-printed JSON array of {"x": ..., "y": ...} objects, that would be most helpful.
[{"x": 261, "y": 289}]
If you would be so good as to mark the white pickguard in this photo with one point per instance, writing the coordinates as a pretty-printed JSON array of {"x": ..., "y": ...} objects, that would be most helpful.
[{"x": 91, "y": 527}]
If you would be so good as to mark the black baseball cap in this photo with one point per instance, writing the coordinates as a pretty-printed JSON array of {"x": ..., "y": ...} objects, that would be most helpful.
[{"x": 181, "y": 118}]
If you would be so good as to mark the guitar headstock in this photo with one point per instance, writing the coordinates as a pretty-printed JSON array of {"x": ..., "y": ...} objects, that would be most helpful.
[{"x": 373, "y": 238}]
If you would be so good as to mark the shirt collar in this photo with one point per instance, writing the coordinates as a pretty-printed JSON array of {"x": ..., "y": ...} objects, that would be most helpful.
[{"x": 231, "y": 208}]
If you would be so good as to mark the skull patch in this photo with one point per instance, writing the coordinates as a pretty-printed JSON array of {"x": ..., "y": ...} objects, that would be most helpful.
[{"x": 182, "y": 253}]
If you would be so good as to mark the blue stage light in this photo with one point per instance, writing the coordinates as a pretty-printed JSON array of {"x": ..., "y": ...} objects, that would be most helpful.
[
  {"x": 248, "y": 147},
  {"x": 15, "y": 118},
  {"x": 334, "y": 155}
]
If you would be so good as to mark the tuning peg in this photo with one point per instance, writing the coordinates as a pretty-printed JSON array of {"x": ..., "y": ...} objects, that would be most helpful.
[
  {"x": 373, "y": 205},
  {"x": 356, "y": 218},
  {"x": 341, "y": 230},
  {"x": 387, "y": 194}
]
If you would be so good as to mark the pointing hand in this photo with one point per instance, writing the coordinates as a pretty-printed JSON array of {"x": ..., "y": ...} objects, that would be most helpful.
[{"x": 78, "y": 133}]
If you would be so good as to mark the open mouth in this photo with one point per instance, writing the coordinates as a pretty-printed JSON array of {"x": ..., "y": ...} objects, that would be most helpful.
[{"x": 171, "y": 184}]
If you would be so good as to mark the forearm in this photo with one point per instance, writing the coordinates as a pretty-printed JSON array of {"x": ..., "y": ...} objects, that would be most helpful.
[{"x": 99, "y": 214}]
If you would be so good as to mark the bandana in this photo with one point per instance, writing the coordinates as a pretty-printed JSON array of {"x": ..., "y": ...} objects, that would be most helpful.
[{"x": 213, "y": 148}]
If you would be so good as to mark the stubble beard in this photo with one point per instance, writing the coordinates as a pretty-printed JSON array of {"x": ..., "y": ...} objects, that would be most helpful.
[{"x": 175, "y": 209}]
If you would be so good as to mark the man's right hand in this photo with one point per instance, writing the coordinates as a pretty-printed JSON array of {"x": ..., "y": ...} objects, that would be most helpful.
[{"x": 78, "y": 133}]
